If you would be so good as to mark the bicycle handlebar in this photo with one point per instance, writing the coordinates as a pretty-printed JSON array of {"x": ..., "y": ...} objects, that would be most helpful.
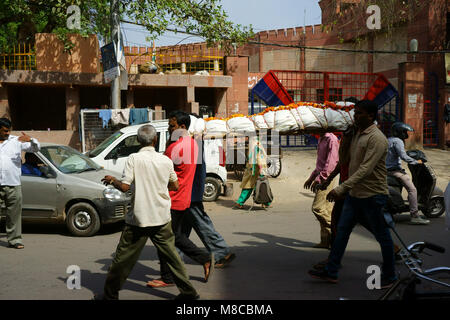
[{"x": 434, "y": 247}]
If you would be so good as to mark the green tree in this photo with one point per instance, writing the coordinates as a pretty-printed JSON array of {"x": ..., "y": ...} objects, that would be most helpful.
[
  {"x": 351, "y": 16},
  {"x": 20, "y": 20}
]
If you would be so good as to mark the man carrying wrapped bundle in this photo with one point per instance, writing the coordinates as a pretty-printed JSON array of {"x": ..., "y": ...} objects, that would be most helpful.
[{"x": 327, "y": 159}]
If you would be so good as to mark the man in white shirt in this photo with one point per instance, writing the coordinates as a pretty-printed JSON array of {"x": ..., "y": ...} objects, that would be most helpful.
[
  {"x": 11, "y": 148},
  {"x": 150, "y": 175}
]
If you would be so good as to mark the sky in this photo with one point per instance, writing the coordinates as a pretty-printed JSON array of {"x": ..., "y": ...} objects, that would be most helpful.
[{"x": 261, "y": 14}]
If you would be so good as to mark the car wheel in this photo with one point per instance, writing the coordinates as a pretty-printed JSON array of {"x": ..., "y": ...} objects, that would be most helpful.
[
  {"x": 435, "y": 208},
  {"x": 82, "y": 220},
  {"x": 212, "y": 189},
  {"x": 274, "y": 166}
]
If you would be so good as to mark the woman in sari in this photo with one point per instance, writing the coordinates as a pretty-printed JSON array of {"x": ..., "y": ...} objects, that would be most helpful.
[{"x": 256, "y": 166}]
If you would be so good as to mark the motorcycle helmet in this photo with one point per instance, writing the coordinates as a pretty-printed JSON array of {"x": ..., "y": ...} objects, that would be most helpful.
[{"x": 400, "y": 130}]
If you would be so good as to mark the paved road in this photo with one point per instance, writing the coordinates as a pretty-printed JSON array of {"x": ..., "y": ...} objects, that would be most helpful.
[{"x": 274, "y": 252}]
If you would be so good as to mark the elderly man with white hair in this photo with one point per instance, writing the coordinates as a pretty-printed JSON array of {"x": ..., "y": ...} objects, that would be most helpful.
[{"x": 151, "y": 175}]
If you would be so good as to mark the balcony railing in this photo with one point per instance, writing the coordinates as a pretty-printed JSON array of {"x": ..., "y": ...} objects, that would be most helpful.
[
  {"x": 191, "y": 60},
  {"x": 20, "y": 57}
]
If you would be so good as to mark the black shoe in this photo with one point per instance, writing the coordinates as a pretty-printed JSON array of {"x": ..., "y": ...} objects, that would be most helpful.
[
  {"x": 320, "y": 265},
  {"x": 98, "y": 297},
  {"x": 322, "y": 275},
  {"x": 186, "y": 297},
  {"x": 222, "y": 263}
]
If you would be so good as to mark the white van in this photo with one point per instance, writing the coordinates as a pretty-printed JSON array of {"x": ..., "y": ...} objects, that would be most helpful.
[{"x": 113, "y": 152}]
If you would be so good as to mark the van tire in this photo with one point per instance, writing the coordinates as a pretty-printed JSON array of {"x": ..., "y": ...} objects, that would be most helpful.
[
  {"x": 82, "y": 220},
  {"x": 212, "y": 189}
]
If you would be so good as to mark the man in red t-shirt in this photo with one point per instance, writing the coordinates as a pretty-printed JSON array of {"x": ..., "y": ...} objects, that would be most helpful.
[{"x": 183, "y": 152}]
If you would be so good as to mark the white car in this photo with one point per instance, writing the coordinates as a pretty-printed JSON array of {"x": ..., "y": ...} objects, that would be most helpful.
[{"x": 113, "y": 152}]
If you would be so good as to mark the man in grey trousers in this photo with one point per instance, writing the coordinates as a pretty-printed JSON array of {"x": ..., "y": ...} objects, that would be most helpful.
[{"x": 11, "y": 148}]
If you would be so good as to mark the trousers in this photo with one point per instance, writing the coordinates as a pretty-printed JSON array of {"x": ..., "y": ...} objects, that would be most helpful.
[
  {"x": 130, "y": 246},
  {"x": 11, "y": 197}
]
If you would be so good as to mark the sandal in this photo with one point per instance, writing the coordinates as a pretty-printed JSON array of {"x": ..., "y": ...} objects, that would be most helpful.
[
  {"x": 16, "y": 246},
  {"x": 208, "y": 268},
  {"x": 237, "y": 206},
  {"x": 159, "y": 283}
]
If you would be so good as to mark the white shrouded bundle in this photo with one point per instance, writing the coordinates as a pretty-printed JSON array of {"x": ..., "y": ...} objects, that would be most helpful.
[
  {"x": 297, "y": 118},
  {"x": 304, "y": 118},
  {"x": 270, "y": 119},
  {"x": 191, "y": 129},
  {"x": 320, "y": 116},
  {"x": 259, "y": 121},
  {"x": 285, "y": 121},
  {"x": 337, "y": 119},
  {"x": 199, "y": 126},
  {"x": 345, "y": 104},
  {"x": 308, "y": 118},
  {"x": 216, "y": 128},
  {"x": 241, "y": 125}
]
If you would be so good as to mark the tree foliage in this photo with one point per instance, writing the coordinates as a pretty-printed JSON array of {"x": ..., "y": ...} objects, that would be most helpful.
[
  {"x": 351, "y": 17},
  {"x": 20, "y": 20}
]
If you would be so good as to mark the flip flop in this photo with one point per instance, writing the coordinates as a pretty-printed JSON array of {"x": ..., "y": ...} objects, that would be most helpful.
[
  {"x": 159, "y": 283},
  {"x": 209, "y": 270},
  {"x": 16, "y": 246}
]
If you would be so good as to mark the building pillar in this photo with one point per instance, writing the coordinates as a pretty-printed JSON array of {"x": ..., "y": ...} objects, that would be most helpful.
[
  {"x": 194, "y": 107},
  {"x": 221, "y": 103},
  {"x": 159, "y": 115},
  {"x": 411, "y": 79},
  {"x": 237, "y": 95},
  {"x": 72, "y": 108},
  {"x": 4, "y": 104}
]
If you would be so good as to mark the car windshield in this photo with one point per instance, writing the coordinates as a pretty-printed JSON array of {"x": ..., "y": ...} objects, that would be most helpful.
[
  {"x": 105, "y": 144},
  {"x": 68, "y": 160}
]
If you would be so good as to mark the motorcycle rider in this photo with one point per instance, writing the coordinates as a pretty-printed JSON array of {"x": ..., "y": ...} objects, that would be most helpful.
[{"x": 396, "y": 153}]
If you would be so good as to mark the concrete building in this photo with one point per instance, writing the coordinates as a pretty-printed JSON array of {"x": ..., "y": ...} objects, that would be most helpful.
[{"x": 46, "y": 99}]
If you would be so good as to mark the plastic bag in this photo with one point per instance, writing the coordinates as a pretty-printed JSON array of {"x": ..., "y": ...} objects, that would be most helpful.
[
  {"x": 308, "y": 118},
  {"x": 270, "y": 119},
  {"x": 259, "y": 121},
  {"x": 285, "y": 121},
  {"x": 241, "y": 124}
]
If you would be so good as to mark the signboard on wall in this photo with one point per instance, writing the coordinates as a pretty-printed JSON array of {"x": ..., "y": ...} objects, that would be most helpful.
[{"x": 109, "y": 62}]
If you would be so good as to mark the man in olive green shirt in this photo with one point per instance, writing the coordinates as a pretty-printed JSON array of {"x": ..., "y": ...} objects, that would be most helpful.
[{"x": 368, "y": 192}]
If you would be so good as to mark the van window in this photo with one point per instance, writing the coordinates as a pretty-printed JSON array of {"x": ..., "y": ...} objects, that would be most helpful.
[
  {"x": 105, "y": 144},
  {"x": 128, "y": 146}
]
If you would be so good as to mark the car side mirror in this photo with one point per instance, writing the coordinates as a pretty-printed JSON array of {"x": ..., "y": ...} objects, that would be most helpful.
[{"x": 46, "y": 172}]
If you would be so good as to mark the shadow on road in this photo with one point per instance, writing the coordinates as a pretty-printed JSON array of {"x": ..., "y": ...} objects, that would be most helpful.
[{"x": 277, "y": 241}]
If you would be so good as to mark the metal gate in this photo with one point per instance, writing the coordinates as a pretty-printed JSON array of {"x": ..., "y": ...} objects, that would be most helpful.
[
  {"x": 431, "y": 111},
  {"x": 318, "y": 86}
]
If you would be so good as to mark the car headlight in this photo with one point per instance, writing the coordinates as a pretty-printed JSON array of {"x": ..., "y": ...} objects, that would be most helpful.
[{"x": 111, "y": 193}]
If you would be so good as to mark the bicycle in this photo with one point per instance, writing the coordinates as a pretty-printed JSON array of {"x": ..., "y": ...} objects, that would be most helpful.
[{"x": 406, "y": 287}]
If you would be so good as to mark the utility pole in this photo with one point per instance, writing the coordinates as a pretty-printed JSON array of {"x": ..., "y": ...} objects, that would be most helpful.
[{"x": 115, "y": 32}]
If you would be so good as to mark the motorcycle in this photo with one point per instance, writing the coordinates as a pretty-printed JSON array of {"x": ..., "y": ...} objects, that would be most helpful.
[{"x": 430, "y": 198}]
